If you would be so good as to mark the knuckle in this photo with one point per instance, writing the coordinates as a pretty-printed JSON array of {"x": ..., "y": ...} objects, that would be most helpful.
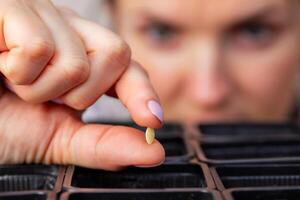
[
  {"x": 120, "y": 52},
  {"x": 16, "y": 77},
  {"x": 76, "y": 71},
  {"x": 13, "y": 75},
  {"x": 40, "y": 48},
  {"x": 136, "y": 66}
]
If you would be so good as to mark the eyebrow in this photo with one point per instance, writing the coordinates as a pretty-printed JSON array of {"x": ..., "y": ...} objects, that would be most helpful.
[
  {"x": 167, "y": 22},
  {"x": 268, "y": 12},
  {"x": 265, "y": 12},
  {"x": 146, "y": 16}
]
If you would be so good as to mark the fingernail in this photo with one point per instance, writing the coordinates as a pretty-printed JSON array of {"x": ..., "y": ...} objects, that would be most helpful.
[
  {"x": 156, "y": 110},
  {"x": 58, "y": 101}
]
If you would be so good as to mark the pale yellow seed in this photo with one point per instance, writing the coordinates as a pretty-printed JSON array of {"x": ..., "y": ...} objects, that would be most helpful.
[{"x": 150, "y": 135}]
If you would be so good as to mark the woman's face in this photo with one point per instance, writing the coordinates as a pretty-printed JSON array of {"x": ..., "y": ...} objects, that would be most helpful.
[{"x": 212, "y": 60}]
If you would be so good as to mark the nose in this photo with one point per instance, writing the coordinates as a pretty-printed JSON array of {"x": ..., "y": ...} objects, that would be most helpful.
[{"x": 209, "y": 83}]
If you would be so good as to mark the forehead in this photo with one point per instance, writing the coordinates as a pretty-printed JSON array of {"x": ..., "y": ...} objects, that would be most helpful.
[{"x": 191, "y": 11}]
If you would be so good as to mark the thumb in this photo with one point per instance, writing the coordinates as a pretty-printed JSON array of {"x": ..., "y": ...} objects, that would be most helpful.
[
  {"x": 104, "y": 146},
  {"x": 53, "y": 134}
]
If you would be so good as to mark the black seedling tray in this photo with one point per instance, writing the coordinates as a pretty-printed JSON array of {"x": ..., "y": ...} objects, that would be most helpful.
[
  {"x": 169, "y": 131},
  {"x": 249, "y": 152},
  {"x": 164, "y": 176},
  {"x": 174, "y": 147},
  {"x": 263, "y": 194},
  {"x": 143, "y": 195},
  {"x": 247, "y": 161},
  {"x": 222, "y": 133},
  {"x": 173, "y": 139},
  {"x": 32, "y": 195},
  {"x": 262, "y": 175},
  {"x": 30, "y": 177}
]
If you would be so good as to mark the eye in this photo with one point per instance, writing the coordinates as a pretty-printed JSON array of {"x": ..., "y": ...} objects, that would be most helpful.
[
  {"x": 255, "y": 31},
  {"x": 162, "y": 35},
  {"x": 161, "y": 32},
  {"x": 253, "y": 35}
]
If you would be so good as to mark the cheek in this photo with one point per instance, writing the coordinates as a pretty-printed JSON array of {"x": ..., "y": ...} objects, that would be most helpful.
[
  {"x": 165, "y": 74},
  {"x": 267, "y": 79},
  {"x": 267, "y": 85}
]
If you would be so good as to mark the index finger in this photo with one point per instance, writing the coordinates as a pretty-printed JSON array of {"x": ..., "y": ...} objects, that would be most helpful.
[
  {"x": 135, "y": 91},
  {"x": 133, "y": 87}
]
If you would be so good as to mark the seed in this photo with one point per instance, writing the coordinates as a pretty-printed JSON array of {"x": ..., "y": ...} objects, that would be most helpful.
[{"x": 150, "y": 135}]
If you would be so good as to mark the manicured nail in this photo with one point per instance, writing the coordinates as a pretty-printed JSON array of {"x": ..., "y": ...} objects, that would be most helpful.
[
  {"x": 156, "y": 110},
  {"x": 58, "y": 101}
]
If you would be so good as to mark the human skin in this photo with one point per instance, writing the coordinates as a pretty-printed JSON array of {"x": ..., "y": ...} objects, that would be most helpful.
[
  {"x": 216, "y": 61},
  {"x": 52, "y": 54},
  {"x": 216, "y": 70}
]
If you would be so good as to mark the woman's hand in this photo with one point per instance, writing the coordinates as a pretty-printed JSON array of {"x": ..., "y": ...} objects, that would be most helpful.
[
  {"x": 50, "y": 54},
  {"x": 51, "y": 133}
]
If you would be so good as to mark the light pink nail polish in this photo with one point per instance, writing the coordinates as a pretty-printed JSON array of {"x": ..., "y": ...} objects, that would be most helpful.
[{"x": 156, "y": 110}]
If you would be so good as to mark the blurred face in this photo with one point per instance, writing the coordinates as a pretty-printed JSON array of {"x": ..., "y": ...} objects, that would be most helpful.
[{"x": 211, "y": 60}]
